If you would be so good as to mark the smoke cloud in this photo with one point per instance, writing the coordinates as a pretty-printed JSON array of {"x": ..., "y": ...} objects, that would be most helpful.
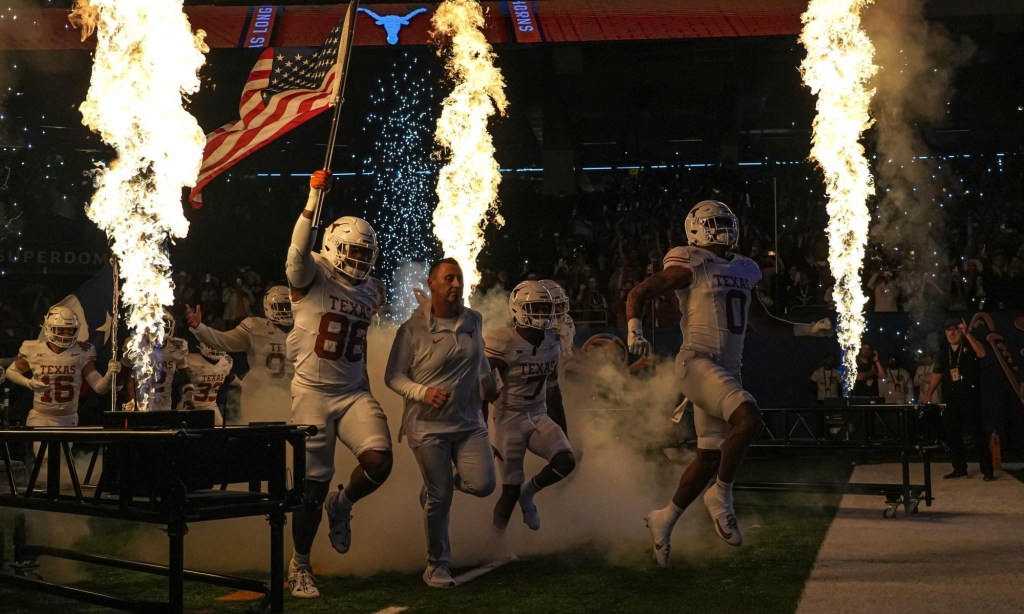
[{"x": 917, "y": 63}]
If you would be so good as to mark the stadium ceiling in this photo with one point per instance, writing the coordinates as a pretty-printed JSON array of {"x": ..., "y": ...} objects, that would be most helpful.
[{"x": 705, "y": 94}]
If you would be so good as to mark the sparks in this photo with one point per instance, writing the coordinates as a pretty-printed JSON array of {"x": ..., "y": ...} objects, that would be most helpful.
[
  {"x": 467, "y": 186},
  {"x": 146, "y": 59},
  {"x": 837, "y": 68}
]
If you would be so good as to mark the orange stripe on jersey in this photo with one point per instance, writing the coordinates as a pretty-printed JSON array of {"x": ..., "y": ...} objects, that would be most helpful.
[{"x": 494, "y": 353}]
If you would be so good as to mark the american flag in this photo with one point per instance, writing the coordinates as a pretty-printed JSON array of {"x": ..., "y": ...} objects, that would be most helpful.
[{"x": 286, "y": 87}]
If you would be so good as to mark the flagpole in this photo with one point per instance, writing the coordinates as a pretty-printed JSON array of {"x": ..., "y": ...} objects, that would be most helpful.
[
  {"x": 113, "y": 331},
  {"x": 344, "y": 54}
]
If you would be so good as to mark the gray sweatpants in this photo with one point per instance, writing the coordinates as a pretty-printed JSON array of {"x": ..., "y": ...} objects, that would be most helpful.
[{"x": 471, "y": 454}]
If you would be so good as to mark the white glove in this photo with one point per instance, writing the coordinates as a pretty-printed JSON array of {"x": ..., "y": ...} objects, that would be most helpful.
[
  {"x": 35, "y": 385},
  {"x": 114, "y": 366},
  {"x": 821, "y": 328},
  {"x": 635, "y": 338}
]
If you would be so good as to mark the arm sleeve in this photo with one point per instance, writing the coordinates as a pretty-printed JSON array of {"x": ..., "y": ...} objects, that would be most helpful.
[
  {"x": 234, "y": 340},
  {"x": 299, "y": 267},
  {"x": 396, "y": 376},
  {"x": 99, "y": 383},
  {"x": 16, "y": 376}
]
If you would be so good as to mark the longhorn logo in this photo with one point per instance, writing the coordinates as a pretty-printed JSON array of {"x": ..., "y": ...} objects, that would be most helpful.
[{"x": 392, "y": 23}]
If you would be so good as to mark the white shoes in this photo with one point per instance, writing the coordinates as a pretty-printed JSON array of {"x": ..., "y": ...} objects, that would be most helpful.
[
  {"x": 302, "y": 581},
  {"x": 340, "y": 519},
  {"x": 438, "y": 576},
  {"x": 661, "y": 535},
  {"x": 530, "y": 516},
  {"x": 722, "y": 515}
]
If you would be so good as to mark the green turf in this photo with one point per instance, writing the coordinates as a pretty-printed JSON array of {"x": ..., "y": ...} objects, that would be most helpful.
[{"x": 764, "y": 576}]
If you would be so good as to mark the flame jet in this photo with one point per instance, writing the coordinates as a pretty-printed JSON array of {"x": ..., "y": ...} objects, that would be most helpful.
[
  {"x": 838, "y": 67},
  {"x": 147, "y": 58},
  {"x": 467, "y": 186}
]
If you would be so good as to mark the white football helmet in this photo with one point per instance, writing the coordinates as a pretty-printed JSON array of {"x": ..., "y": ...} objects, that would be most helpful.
[
  {"x": 209, "y": 352},
  {"x": 277, "y": 306},
  {"x": 560, "y": 297},
  {"x": 60, "y": 327},
  {"x": 711, "y": 223},
  {"x": 350, "y": 244},
  {"x": 532, "y": 305}
]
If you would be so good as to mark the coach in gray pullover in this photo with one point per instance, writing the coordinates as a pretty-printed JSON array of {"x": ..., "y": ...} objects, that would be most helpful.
[{"x": 437, "y": 364}]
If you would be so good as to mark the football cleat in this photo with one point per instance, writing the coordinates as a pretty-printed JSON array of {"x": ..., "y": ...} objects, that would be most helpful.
[
  {"x": 438, "y": 576},
  {"x": 722, "y": 515},
  {"x": 302, "y": 581},
  {"x": 340, "y": 519},
  {"x": 661, "y": 535},
  {"x": 530, "y": 516}
]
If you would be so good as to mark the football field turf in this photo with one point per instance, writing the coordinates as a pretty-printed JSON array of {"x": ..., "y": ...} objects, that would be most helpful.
[{"x": 783, "y": 530}]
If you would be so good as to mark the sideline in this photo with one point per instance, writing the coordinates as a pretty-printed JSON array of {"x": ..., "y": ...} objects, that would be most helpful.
[{"x": 961, "y": 554}]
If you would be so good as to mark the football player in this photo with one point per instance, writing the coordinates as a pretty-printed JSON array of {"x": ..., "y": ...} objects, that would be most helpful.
[
  {"x": 264, "y": 340},
  {"x": 334, "y": 299},
  {"x": 565, "y": 330},
  {"x": 210, "y": 371},
  {"x": 170, "y": 371},
  {"x": 526, "y": 357},
  {"x": 54, "y": 367},
  {"x": 715, "y": 289}
]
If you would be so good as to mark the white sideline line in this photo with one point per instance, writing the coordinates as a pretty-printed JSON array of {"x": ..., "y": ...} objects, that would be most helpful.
[
  {"x": 473, "y": 574},
  {"x": 394, "y": 609}
]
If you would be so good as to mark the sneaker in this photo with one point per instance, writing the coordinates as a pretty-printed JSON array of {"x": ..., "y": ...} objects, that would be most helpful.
[
  {"x": 661, "y": 535},
  {"x": 438, "y": 576},
  {"x": 530, "y": 516},
  {"x": 340, "y": 519},
  {"x": 989, "y": 477},
  {"x": 302, "y": 581},
  {"x": 722, "y": 515},
  {"x": 954, "y": 474}
]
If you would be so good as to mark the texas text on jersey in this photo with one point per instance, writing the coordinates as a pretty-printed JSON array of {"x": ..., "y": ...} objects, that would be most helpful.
[
  {"x": 328, "y": 342},
  {"x": 63, "y": 372},
  {"x": 208, "y": 378},
  {"x": 727, "y": 283},
  {"x": 528, "y": 368}
]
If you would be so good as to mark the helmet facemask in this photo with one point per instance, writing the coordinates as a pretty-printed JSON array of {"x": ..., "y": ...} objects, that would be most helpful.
[
  {"x": 354, "y": 260},
  {"x": 60, "y": 327},
  {"x": 277, "y": 306}
]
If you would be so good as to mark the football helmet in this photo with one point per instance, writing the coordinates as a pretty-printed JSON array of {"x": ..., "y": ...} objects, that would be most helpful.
[
  {"x": 209, "y": 352},
  {"x": 711, "y": 223},
  {"x": 350, "y": 244},
  {"x": 532, "y": 305},
  {"x": 560, "y": 297},
  {"x": 277, "y": 306},
  {"x": 60, "y": 327}
]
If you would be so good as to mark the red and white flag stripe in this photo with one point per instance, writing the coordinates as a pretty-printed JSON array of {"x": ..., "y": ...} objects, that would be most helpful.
[{"x": 260, "y": 123}]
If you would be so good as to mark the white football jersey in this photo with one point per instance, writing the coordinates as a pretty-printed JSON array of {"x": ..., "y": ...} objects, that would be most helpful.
[
  {"x": 62, "y": 372},
  {"x": 328, "y": 342},
  {"x": 528, "y": 368},
  {"x": 208, "y": 377},
  {"x": 167, "y": 359},
  {"x": 268, "y": 349},
  {"x": 714, "y": 307}
]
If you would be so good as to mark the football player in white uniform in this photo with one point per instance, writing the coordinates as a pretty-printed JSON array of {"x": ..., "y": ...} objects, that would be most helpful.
[
  {"x": 526, "y": 357},
  {"x": 210, "y": 370},
  {"x": 334, "y": 299},
  {"x": 565, "y": 330},
  {"x": 715, "y": 289},
  {"x": 170, "y": 370},
  {"x": 264, "y": 340},
  {"x": 54, "y": 369}
]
